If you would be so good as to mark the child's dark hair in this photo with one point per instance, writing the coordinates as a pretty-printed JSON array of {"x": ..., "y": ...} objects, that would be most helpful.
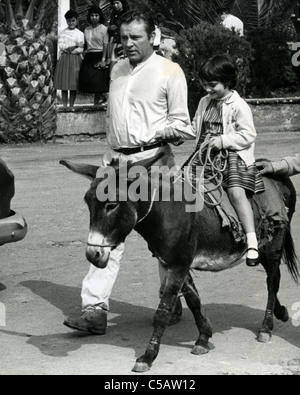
[
  {"x": 220, "y": 68},
  {"x": 95, "y": 10},
  {"x": 71, "y": 14}
]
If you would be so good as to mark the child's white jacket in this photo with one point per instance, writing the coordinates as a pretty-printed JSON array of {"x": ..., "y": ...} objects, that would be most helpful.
[{"x": 239, "y": 132}]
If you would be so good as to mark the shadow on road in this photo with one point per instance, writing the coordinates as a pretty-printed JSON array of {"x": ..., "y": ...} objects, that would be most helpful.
[{"x": 130, "y": 326}]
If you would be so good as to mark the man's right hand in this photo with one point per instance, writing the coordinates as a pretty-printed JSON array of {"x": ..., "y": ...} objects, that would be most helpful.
[{"x": 265, "y": 167}]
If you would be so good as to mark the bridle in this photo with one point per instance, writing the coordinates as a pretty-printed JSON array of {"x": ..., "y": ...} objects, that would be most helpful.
[
  {"x": 138, "y": 222},
  {"x": 102, "y": 245}
]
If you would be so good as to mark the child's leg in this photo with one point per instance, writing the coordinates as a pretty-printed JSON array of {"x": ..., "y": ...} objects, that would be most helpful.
[
  {"x": 73, "y": 95},
  {"x": 244, "y": 210},
  {"x": 64, "y": 97}
]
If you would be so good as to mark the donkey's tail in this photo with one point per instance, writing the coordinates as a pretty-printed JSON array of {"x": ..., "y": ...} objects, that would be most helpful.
[{"x": 290, "y": 257}]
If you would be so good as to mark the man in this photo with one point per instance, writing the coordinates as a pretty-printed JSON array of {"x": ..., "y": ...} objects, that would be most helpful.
[
  {"x": 230, "y": 21},
  {"x": 147, "y": 97},
  {"x": 288, "y": 166}
]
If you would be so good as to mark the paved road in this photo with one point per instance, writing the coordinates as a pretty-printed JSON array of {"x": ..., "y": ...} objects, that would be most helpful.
[{"x": 41, "y": 279}]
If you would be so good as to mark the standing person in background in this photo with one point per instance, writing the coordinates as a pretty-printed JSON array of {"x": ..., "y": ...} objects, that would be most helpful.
[
  {"x": 159, "y": 20},
  {"x": 94, "y": 76},
  {"x": 115, "y": 48},
  {"x": 70, "y": 45},
  {"x": 230, "y": 21}
]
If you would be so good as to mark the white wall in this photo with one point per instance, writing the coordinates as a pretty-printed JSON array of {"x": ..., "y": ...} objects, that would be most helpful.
[{"x": 63, "y": 7}]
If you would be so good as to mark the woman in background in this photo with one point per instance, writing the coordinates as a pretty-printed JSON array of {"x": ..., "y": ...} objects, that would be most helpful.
[
  {"x": 70, "y": 45},
  {"x": 94, "y": 76},
  {"x": 115, "y": 48}
]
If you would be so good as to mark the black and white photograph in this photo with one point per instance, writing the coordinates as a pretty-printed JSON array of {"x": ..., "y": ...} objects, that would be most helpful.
[{"x": 149, "y": 190}]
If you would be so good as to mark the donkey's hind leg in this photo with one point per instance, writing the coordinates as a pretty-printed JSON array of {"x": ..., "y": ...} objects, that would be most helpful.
[
  {"x": 194, "y": 303},
  {"x": 271, "y": 259}
]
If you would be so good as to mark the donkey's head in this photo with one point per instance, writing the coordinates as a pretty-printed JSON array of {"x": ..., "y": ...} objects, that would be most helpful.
[{"x": 114, "y": 210}]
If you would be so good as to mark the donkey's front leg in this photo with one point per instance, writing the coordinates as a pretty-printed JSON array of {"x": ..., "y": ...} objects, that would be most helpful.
[{"x": 174, "y": 283}]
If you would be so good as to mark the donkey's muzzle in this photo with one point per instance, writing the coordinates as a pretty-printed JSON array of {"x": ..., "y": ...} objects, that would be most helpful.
[{"x": 98, "y": 256}]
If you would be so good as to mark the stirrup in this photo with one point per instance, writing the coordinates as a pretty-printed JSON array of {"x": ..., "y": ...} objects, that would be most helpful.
[{"x": 252, "y": 262}]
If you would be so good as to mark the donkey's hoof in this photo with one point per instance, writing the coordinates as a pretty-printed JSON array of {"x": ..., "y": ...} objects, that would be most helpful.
[
  {"x": 141, "y": 367},
  {"x": 264, "y": 337},
  {"x": 200, "y": 350}
]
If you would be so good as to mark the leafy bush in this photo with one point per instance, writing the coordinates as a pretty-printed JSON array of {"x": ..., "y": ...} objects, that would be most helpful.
[
  {"x": 272, "y": 71},
  {"x": 203, "y": 41}
]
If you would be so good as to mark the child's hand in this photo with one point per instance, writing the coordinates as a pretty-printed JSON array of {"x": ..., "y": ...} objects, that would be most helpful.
[{"x": 216, "y": 143}]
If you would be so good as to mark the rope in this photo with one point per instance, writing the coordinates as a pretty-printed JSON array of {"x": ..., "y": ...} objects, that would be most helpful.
[{"x": 217, "y": 163}]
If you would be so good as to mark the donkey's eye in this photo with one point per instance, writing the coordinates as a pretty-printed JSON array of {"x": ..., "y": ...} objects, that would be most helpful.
[{"x": 109, "y": 207}]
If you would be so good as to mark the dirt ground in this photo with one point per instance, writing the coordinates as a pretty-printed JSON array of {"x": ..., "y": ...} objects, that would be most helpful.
[{"x": 40, "y": 283}]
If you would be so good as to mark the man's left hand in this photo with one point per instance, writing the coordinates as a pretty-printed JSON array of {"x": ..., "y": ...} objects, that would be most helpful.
[{"x": 169, "y": 135}]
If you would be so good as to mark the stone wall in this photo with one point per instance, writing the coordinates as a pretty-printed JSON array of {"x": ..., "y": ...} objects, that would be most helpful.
[
  {"x": 276, "y": 115},
  {"x": 85, "y": 122}
]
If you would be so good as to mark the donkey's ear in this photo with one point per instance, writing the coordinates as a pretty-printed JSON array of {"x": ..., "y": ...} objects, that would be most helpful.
[{"x": 88, "y": 171}]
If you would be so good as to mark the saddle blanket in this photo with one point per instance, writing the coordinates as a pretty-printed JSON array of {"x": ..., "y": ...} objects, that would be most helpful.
[{"x": 268, "y": 207}]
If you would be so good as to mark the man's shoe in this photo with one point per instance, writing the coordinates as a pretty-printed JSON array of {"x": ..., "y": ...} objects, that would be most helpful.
[{"x": 91, "y": 320}]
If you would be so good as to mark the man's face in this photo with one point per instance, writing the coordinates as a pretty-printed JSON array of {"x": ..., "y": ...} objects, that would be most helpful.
[{"x": 137, "y": 45}]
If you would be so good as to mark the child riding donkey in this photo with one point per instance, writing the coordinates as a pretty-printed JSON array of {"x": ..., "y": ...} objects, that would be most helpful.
[{"x": 226, "y": 120}]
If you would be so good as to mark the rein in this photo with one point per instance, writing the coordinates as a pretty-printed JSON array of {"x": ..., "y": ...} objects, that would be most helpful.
[{"x": 150, "y": 208}]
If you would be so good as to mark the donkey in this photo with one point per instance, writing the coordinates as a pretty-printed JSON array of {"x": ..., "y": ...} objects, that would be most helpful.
[{"x": 183, "y": 241}]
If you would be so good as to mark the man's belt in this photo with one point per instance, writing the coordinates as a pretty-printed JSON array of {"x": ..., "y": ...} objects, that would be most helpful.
[{"x": 135, "y": 150}]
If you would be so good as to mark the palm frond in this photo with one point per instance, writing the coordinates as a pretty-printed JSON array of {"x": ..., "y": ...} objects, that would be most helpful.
[{"x": 263, "y": 13}]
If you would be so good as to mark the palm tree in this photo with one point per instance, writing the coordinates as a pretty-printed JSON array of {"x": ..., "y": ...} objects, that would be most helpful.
[
  {"x": 255, "y": 13},
  {"x": 27, "y": 110}
]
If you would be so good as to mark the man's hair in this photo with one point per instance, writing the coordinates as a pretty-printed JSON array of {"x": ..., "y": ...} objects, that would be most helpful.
[
  {"x": 95, "y": 10},
  {"x": 220, "y": 68},
  {"x": 71, "y": 14},
  {"x": 139, "y": 14}
]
